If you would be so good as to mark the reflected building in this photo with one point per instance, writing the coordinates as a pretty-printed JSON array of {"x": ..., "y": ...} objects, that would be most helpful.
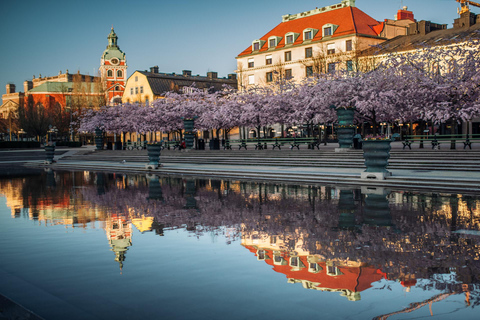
[
  {"x": 325, "y": 238},
  {"x": 349, "y": 278},
  {"x": 119, "y": 234}
]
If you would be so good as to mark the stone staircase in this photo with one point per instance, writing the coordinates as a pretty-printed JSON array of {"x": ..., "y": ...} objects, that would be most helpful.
[{"x": 423, "y": 159}]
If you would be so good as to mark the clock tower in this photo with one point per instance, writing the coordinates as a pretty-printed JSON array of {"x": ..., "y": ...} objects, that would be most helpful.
[{"x": 113, "y": 70}]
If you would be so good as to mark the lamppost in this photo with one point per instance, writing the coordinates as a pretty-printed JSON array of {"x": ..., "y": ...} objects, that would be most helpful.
[
  {"x": 51, "y": 131},
  {"x": 21, "y": 132}
]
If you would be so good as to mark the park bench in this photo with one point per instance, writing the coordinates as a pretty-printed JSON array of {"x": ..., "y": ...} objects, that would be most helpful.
[
  {"x": 277, "y": 145},
  {"x": 407, "y": 143},
  {"x": 435, "y": 143},
  {"x": 437, "y": 140},
  {"x": 468, "y": 143},
  {"x": 135, "y": 146},
  {"x": 314, "y": 144}
]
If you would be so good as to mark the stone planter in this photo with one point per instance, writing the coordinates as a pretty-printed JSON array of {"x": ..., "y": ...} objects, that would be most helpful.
[
  {"x": 345, "y": 116},
  {"x": 99, "y": 139},
  {"x": 49, "y": 154},
  {"x": 153, "y": 151},
  {"x": 188, "y": 125},
  {"x": 376, "y": 154},
  {"x": 346, "y": 128},
  {"x": 345, "y": 136}
]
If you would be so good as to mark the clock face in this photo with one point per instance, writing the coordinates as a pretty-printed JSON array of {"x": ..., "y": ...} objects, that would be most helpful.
[{"x": 114, "y": 61}]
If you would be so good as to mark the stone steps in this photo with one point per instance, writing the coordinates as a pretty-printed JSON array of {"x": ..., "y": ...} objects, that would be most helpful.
[
  {"x": 428, "y": 160},
  {"x": 292, "y": 175}
]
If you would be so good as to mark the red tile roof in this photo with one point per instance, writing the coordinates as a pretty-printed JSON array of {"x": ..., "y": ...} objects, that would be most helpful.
[
  {"x": 355, "y": 279},
  {"x": 350, "y": 21}
]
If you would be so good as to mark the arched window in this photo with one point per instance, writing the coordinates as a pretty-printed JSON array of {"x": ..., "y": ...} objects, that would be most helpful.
[
  {"x": 119, "y": 73},
  {"x": 109, "y": 73}
]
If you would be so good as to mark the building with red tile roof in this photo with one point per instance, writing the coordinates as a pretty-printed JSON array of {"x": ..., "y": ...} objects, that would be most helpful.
[
  {"x": 349, "y": 278},
  {"x": 315, "y": 41}
]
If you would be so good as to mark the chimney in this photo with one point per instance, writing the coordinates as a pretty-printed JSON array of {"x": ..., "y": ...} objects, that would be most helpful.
[
  {"x": 27, "y": 86},
  {"x": 232, "y": 76},
  {"x": 212, "y": 75},
  {"x": 154, "y": 69},
  {"x": 404, "y": 14},
  {"x": 187, "y": 73},
  {"x": 10, "y": 88}
]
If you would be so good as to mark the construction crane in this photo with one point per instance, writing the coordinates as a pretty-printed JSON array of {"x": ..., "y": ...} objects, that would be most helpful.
[{"x": 465, "y": 5}]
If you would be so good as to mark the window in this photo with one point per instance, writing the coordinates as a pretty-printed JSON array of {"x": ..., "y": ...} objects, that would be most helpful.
[
  {"x": 141, "y": 89},
  {"x": 272, "y": 43},
  {"x": 136, "y": 90},
  {"x": 327, "y": 31},
  {"x": 250, "y": 63},
  {"x": 331, "y": 48},
  {"x": 117, "y": 88},
  {"x": 331, "y": 67},
  {"x": 256, "y": 46},
  {"x": 251, "y": 79},
  {"x": 314, "y": 267},
  {"x": 288, "y": 56},
  {"x": 119, "y": 73},
  {"x": 146, "y": 101},
  {"x": 131, "y": 91},
  {"x": 307, "y": 35},
  {"x": 261, "y": 254},
  {"x": 288, "y": 74},
  {"x": 308, "y": 52},
  {"x": 109, "y": 73},
  {"x": 294, "y": 261},
  {"x": 289, "y": 39},
  {"x": 349, "y": 65},
  {"x": 309, "y": 71},
  {"x": 269, "y": 76},
  {"x": 348, "y": 45},
  {"x": 136, "y": 78},
  {"x": 268, "y": 59}
]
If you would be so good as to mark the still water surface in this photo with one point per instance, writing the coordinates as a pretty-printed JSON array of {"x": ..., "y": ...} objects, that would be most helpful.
[{"x": 84, "y": 245}]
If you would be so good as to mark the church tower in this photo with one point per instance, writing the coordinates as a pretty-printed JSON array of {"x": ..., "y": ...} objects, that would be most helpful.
[{"x": 113, "y": 70}]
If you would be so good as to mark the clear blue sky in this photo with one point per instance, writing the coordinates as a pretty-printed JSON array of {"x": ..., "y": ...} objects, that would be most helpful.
[{"x": 44, "y": 37}]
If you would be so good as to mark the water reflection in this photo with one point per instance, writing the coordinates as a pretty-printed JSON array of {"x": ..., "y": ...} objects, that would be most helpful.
[{"x": 324, "y": 238}]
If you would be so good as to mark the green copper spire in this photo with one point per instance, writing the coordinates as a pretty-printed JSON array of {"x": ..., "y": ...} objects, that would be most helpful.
[
  {"x": 112, "y": 40},
  {"x": 113, "y": 50}
]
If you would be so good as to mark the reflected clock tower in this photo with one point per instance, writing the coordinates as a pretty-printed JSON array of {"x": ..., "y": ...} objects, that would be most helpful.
[{"x": 113, "y": 70}]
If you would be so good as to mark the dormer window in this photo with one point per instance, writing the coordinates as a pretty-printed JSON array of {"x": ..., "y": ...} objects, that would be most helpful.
[
  {"x": 290, "y": 38},
  {"x": 309, "y": 33},
  {"x": 257, "y": 45},
  {"x": 273, "y": 42},
  {"x": 329, "y": 29}
]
